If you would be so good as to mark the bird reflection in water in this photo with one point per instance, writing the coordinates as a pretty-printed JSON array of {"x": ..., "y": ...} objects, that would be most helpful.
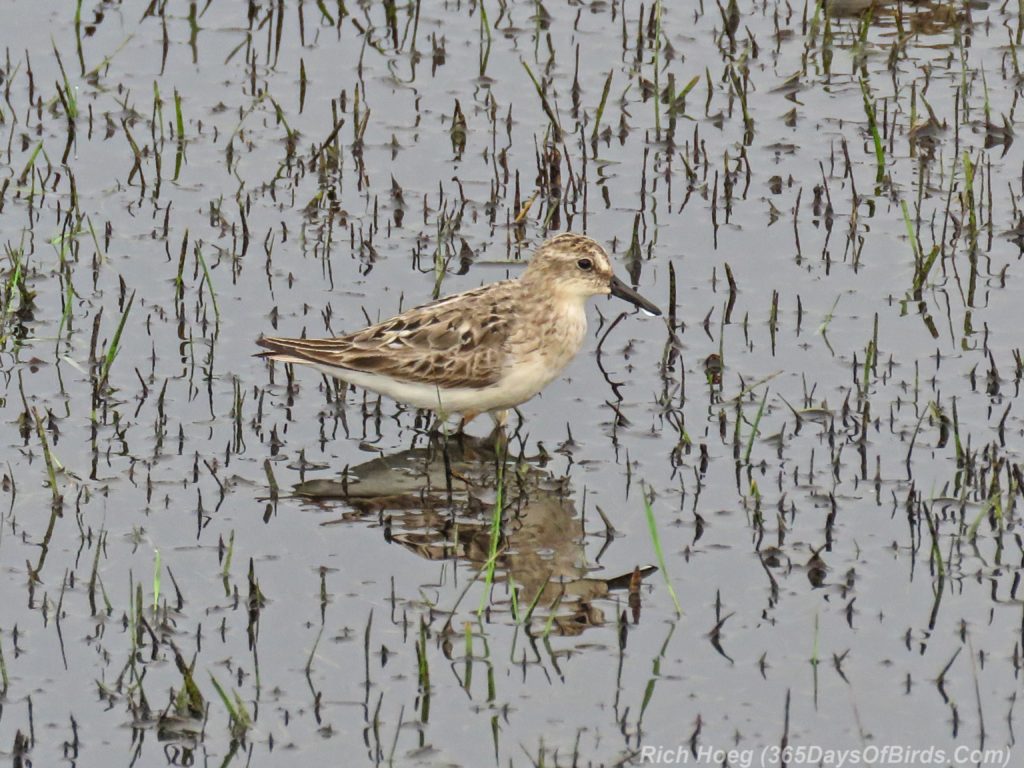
[{"x": 437, "y": 501}]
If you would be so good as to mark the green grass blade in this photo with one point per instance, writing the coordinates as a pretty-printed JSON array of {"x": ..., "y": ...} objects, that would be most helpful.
[
  {"x": 754, "y": 431},
  {"x": 115, "y": 343},
  {"x": 156, "y": 580},
  {"x": 659, "y": 553}
]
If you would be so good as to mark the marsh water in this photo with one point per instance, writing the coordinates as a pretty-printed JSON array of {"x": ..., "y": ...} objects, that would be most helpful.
[{"x": 784, "y": 515}]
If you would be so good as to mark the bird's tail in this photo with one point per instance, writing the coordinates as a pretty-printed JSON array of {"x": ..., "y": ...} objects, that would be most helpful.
[{"x": 280, "y": 349}]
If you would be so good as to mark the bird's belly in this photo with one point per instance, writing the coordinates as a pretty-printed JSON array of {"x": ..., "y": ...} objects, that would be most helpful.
[{"x": 517, "y": 385}]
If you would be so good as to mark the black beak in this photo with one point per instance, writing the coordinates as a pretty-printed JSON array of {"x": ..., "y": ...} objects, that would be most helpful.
[{"x": 623, "y": 291}]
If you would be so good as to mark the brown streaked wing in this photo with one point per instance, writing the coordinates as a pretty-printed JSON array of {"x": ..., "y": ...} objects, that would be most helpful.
[{"x": 459, "y": 341}]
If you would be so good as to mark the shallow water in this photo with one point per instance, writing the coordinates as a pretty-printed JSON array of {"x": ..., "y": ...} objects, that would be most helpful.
[{"x": 846, "y": 557}]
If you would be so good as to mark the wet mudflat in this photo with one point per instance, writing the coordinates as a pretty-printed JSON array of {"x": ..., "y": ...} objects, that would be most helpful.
[{"x": 206, "y": 560}]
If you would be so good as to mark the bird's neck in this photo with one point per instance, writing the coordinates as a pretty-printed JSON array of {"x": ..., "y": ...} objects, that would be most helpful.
[{"x": 565, "y": 318}]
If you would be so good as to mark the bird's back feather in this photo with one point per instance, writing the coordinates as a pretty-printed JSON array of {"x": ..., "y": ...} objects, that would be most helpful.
[{"x": 459, "y": 341}]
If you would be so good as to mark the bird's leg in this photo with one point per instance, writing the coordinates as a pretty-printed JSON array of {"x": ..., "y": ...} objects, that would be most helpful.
[
  {"x": 467, "y": 417},
  {"x": 497, "y": 439}
]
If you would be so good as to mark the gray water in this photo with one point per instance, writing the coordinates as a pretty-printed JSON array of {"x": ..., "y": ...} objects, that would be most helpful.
[{"x": 842, "y": 539}]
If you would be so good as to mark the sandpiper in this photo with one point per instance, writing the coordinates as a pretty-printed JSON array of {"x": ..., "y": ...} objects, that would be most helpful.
[{"x": 482, "y": 351}]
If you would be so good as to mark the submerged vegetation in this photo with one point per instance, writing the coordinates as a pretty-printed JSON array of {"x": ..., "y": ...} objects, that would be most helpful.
[{"x": 206, "y": 559}]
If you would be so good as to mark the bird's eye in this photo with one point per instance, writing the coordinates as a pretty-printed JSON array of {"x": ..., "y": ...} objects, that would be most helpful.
[{"x": 585, "y": 264}]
